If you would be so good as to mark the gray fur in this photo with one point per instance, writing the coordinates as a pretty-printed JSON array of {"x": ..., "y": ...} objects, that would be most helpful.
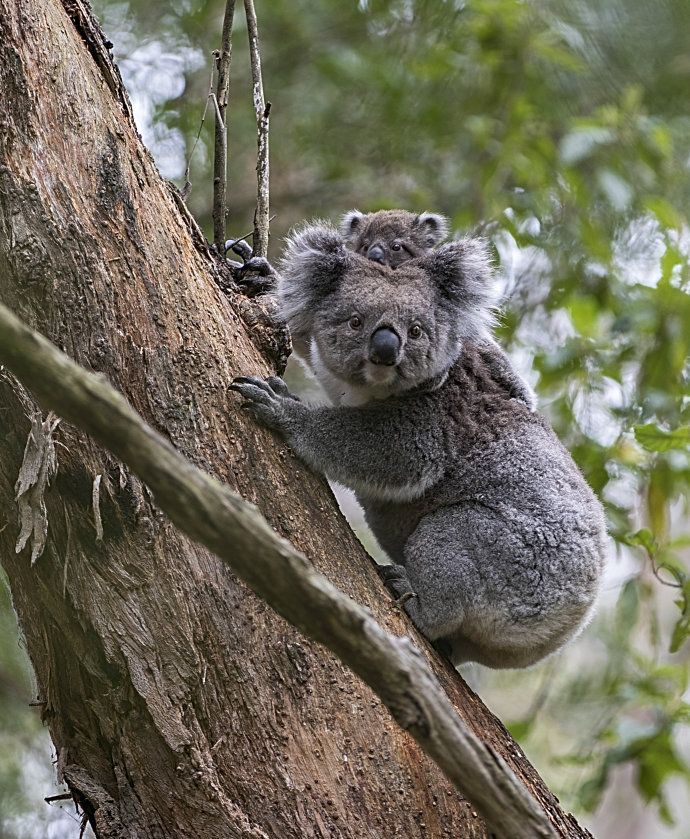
[
  {"x": 497, "y": 542},
  {"x": 397, "y": 234},
  {"x": 317, "y": 251}
]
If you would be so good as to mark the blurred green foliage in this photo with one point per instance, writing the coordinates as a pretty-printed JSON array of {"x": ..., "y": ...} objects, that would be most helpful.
[{"x": 559, "y": 129}]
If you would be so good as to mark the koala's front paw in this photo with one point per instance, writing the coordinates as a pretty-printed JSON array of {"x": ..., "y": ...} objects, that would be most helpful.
[
  {"x": 255, "y": 274},
  {"x": 269, "y": 400}
]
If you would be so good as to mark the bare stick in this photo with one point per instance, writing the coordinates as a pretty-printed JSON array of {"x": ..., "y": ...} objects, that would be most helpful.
[
  {"x": 220, "y": 162},
  {"x": 262, "y": 109},
  {"x": 187, "y": 188}
]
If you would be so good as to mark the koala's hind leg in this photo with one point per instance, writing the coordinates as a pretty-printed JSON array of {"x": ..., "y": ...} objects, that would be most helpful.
[
  {"x": 443, "y": 574},
  {"x": 484, "y": 587},
  {"x": 398, "y": 583}
]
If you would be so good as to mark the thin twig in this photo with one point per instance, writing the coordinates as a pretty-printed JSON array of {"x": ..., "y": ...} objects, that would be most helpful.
[
  {"x": 246, "y": 235},
  {"x": 262, "y": 109},
  {"x": 220, "y": 161},
  {"x": 211, "y": 96}
]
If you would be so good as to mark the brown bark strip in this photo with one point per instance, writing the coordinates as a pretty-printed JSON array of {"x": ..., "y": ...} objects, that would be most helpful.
[{"x": 219, "y": 519}]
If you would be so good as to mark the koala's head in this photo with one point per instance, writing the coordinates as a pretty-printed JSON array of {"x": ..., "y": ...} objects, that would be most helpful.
[
  {"x": 393, "y": 237},
  {"x": 379, "y": 330}
]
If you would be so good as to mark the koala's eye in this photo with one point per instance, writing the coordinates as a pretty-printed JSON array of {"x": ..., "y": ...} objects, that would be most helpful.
[
  {"x": 396, "y": 246},
  {"x": 415, "y": 331},
  {"x": 355, "y": 322}
]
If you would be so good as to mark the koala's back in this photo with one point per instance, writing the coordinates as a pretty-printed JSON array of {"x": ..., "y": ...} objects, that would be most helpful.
[
  {"x": 519, "y": 508},
  {"x": 480, "y": 426}
]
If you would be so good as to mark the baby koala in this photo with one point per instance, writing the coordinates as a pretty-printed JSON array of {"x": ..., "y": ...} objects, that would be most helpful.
[
  {"x": 391, "y": 237},
  {"x": 496, "y": 540}
]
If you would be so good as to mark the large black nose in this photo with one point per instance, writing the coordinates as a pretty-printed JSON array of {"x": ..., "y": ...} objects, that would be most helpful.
[
  {"x": 376, "y": 253},
  {"x": 384, "y": 346}
]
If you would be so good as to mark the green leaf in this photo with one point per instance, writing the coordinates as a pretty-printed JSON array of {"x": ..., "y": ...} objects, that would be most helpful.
[
  {"x": 664, "y": 210},
  {"x": 681, "y": 631},
  {"x": 657, "y": 439},
  {"x": 584, "y": 313},
  {"x": 657, "y": 762},
  {"x": 643, "y": 538},
  {"x": 627, "y": 607}
]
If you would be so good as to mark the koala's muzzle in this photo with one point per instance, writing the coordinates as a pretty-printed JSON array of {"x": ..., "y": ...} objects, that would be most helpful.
[
  {"x": 384, "y": 346},
  {"x": 376, "y": 253}
]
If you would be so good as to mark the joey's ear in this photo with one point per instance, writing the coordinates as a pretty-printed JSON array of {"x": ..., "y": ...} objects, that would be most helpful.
[
  {"x": 434, "y": 228},
  {"x": 462, "y": 273},
  {"x": 351, "y": 224},
  {"x": 312, "y": 266}
]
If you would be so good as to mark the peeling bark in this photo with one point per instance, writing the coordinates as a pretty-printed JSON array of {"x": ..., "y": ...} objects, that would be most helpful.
[{"x": 179, "y": 703}]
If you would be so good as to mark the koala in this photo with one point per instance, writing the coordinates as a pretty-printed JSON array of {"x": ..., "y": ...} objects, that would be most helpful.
[
  {"x": 392, "y": 237},
  {"x": 496, "y": 541}
]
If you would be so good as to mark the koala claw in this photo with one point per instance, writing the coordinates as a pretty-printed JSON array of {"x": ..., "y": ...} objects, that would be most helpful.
[
  {"x": 279, "y": 387},
  {"x": 255, "y": 274},
  {"x": 397, "y": 582},
  {"x": 265, "y": 399},
  {"x": 240, "y": 247}
]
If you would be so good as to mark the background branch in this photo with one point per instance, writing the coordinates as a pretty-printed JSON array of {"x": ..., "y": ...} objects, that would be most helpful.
[
  {"x": 261, "y": 215},
  {"x": 220, "y": 159},
  {"x": 218, "y": 518}
]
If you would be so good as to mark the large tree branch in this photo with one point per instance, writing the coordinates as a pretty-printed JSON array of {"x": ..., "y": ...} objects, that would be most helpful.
[{"x": 218, "y": 518}]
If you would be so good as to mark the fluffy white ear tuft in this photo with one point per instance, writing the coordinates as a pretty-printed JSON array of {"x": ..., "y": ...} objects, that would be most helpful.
[
  {"x": 350, "y": 224},
  {"x": 463, "y": 274},
  {"x": 434, "y": 226}
]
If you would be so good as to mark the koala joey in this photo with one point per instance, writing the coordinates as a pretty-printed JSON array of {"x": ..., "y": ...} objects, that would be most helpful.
[
  {"x": 392, "y": 237},
  {"x": 497, "y": 543},
  {"x": 389, "y": 237}
]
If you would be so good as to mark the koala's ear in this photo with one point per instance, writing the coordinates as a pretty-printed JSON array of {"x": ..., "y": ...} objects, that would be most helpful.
[
  {"x": 434, "y": 228},
  {"x": 312, "y": 266},
  {"x": 351, "y": 224},
  {"x": 463, "y": 274}
]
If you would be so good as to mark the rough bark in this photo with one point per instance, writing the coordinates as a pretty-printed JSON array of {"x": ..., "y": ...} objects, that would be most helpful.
[{"x": 179, "y": 703}]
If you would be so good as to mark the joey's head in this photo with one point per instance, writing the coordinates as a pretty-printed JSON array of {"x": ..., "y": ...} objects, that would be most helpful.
[{"x": 393, "y": 237}]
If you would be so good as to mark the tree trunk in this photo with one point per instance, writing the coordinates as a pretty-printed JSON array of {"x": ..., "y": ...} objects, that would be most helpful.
[{"x": 179, "y": 703}]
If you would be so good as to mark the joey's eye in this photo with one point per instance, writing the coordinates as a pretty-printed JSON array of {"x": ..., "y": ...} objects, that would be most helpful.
[
  {"x": 396, "y": 246},
  {"x": 355, "y": 322},
  {"x": 415, "y": 331}
]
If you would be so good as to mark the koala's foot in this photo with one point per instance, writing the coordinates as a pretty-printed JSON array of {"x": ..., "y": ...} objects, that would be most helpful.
[
  {"x": 397, "y": 582},
  {"x": 255, "y": 275}
]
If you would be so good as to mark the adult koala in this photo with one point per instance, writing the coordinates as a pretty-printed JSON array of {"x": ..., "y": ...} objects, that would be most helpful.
[{"x": 496, "y": 540}]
